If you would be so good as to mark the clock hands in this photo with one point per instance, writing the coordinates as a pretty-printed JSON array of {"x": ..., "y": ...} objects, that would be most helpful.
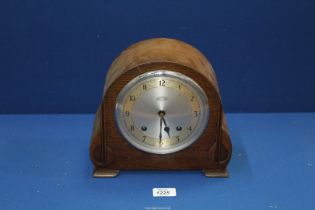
[
  {"x": 166, "y": 128},
  {"x": 160, "y": 136}
]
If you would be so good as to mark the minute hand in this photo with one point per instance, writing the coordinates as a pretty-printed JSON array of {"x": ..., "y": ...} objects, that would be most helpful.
[{"x": 160, "y": 136}]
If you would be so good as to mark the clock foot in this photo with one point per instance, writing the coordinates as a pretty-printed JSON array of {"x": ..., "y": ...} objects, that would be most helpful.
[
  {"x": 105, "y": 173},
  {"x": 216, "y": 174}
]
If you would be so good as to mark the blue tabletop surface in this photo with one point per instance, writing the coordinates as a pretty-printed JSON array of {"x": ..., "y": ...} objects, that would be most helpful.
[{"x": 44, "y": 164}]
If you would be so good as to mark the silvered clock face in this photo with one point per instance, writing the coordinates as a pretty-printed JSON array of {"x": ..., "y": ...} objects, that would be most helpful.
[{"x": 162, "y": 112}]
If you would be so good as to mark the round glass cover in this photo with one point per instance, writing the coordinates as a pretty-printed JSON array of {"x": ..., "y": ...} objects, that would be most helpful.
[{"x": 162, "y": 111}]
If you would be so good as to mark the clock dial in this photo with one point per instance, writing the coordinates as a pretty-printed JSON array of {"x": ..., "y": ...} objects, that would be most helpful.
[{"x": 162, "y": 112}]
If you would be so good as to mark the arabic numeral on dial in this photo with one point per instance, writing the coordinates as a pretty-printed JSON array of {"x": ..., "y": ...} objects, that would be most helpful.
[
  {"x": 192, "y": 98},
  {"x": 189, "y": 128},
  {"x": 144, "y": 87},
  {"x": 177, "y": 137},
  {"x": 144, "y": 138},
  {"x": 196, "y": 113},
  {"x": 132, "y": 128},
  {"x": 132, "y": 98},
  {"x": 127, "y": 113},
  {"x": 162, "y": 82}
]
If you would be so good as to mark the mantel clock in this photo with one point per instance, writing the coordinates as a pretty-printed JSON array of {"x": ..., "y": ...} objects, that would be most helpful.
[{"x": 161, "y": 110}]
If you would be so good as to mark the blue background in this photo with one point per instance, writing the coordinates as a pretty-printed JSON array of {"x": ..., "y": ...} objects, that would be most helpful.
[
  {"x": 54, "y": 54},
  {"x": 53, "y": 59}
]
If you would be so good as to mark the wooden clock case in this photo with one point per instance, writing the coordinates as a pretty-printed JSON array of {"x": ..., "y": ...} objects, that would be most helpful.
[{"x": 110, "y": 152}]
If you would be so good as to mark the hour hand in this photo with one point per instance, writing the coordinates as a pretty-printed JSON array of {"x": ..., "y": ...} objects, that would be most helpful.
[{"x": 166, "y": 128}]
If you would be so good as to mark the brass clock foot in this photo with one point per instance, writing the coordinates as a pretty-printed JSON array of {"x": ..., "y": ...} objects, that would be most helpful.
[
  {"x": 105, "y": 173},
  {"x": 216, "y": 174}
]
